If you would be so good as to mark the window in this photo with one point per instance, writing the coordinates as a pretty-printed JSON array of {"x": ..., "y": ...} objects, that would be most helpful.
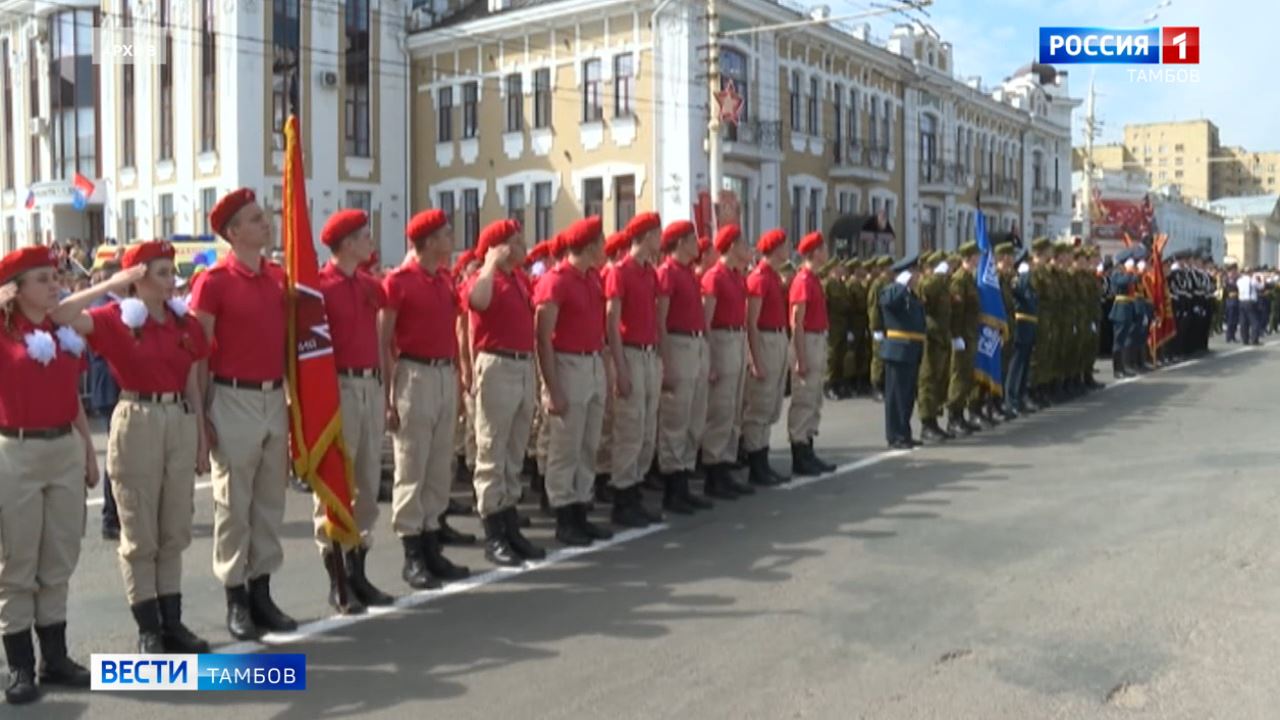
[
  {"x": 446, "y": 205},
  {"x": 542, "y": 210},
  {"x": 515, "y": 102},
  {"x": 33, "y": 92},
  {"x": 208, "y": 198},
  {"x": 128, "y": 223},
  {"x": 815, "y": 211},
  {"x": 10, "y": 234},
  {"x": 624, "y": 200},
  {"x": 8, "y": 119},
  {"x": 592, "y": 110},
  {"x": 470, "y": 113},
  {"x": 444, "y": 116},
  {"x": 285, "y": 48},
  {"x": 166, "y": 216},
  {"x": 813, "y": 106},
  {"x": 886, "y": 130},
  {"x": 208, "y": 77},
  {"x": 851, "y": 127},
  {"x": 515, "y": 203},
  {"x": 470, "y": 217},
  {"x": 888, "y": 208},
  {"x": 838, "y": 97},
  {"x": 592, "y": 197},
  {"x": 797, "y": 212},
  {"x": 277, "y": 216},
  {"x": 929, "y": 228},
  {"x": 795, "y": 102},
  {"x": 623, "y": 85},
  {"x": 73, "y": 90},
  {"x": 733, "y": 67},
  {"x": 1177, "y": 173},
  {"x": 37, "y": 232},
  {"x": 360, "y": 200},
  {"x": 542, "y": 98},
  {"x": 928, "y": 148},
  {"x": 876, "y": 205},
  {"x": 356, "y": 92},
  {"x": 1037, "y": 170},
  {"x": 166, "y": 86},
  {"x": 1177, "y": 148},
  {"x": 873, "y": 128},
  {"x": 128, "y": 128}
]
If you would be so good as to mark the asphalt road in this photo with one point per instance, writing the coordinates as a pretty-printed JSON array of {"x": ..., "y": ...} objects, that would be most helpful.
[{"x": 1117, "y": 557}]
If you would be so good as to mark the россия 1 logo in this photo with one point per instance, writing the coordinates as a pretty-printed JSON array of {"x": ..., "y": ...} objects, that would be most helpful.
[{"x": 1116, "y": 46}]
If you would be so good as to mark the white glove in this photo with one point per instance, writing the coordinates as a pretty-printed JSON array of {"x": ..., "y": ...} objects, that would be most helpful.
[
  {"x": 1075, "y": 329},
  {"x": 942, "y": 268},
  {"x": 1023, "y": 268},
  {"x": 957, "y": 344},
  {"x": 848, "y": 337},
  {"x": 1129, "y": 264},
  {"x": 1100, "y": 267},
  {"x": 878, "y": 336},
  {"x": 1142, "y": 265},
  {"x": 904, "y": 277},
  {"x": 1093, "y": 327},
  {"x": 1176, "y": 266}
]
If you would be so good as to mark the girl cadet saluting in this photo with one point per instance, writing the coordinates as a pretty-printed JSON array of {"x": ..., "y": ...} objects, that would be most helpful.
[
  {"x": 151, "y": 344},
  {"x": 45, "y": 469}
]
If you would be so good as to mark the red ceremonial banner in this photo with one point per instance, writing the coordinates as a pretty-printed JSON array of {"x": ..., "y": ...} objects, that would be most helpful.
[
  {"x": 1163, "y": 325},
  {"x": 319, "y": 455}
]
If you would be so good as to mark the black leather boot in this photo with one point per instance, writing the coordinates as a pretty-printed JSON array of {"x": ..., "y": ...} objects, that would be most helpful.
[
  {"x": 56, "y": 667},
  {"x": 652, "y": 516},
  {"x": 366, "y": 591},
  {"x": 177, "y": 637},
  {"x": 802, "y": 465},
  {"x": 437, "y": 564},
  {"x": 497, "y": 549},
  {"x": 686, "y": 493},
  {"x": 819, "y": 462},
  {"x": 342, "y": 597},
  {"x": 415, "y": 565},
  {"x": 590, "y": 529},
  {"x": 147, "y": 615},
  {"x": 449, "y": 536},
  {"x": 20, "y": 654},
  {"x": 730, "y": 481},
  {"x": 757, "y": 469},
  {"x": 239, "y": 620},
  {"x": 715, "y": 486},
  {"x": 930, "y": 432},
  {"x": 518, "y": 542},
  {"x": 567, "y": 529},
  {"x": 980, "y": 418},
  {"x": 957, "y": 427},
  {"x": 266, "y": 614},
  {"x": 626, "y": 511},
  {"x": 672, "y": 499}
]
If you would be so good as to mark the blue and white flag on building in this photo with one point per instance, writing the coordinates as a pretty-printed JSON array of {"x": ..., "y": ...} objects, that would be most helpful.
[{"x": 992, "y": 324}]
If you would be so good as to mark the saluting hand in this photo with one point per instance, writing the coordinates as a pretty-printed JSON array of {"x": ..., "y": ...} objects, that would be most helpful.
[
  {"x": 497, "y": 255},
  {"x": 125, "y": 278},
  {"x": 8, "y": 292}
]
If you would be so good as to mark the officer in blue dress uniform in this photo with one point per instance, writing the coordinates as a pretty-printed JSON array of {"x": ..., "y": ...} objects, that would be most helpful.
[
  {"x": 901, "y": 349},
  {"x": 1025, "y": 318}
]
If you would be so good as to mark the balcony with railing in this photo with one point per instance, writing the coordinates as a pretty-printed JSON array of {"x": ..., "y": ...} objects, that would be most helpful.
[
  {"x": 941, "y": 175},
  {"x": 752, "y": 135},
  {"x": 1043, "y": 198}
]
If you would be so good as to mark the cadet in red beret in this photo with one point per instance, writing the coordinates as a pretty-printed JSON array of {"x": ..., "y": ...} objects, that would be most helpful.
[
  {"x": 353, "y": 298},
  {"x": 767, "y": 356},
  {"x": 419, "y": 327},
  {"x": 46, "y": 468},
  {"x": 809, "y": 348},
  {"x": 724, "y": 299},
  {"x": 500, "y": 301},
  {"x": 152, "y": 346},
  {"x": 631, "y": 291},
  {"x": 570, "y": 333},
  {"x": 241, "y": 305},
  {"x": 686, "y": 363},
  {"x": 615, "y": 247}
]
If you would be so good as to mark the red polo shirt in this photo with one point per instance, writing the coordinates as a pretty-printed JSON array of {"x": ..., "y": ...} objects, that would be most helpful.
[
  {"x": 636, "y": 285},
  {"x": 680, "y": 284},
  {"x": 351, "y": 303},
  {"x": 35, "y": 396},
  {"x": 807, "y": 288},
  {"x": 248, "y": 307},
  {"x": 426, "y": 305},
  {"x": 580, "y": 300},
  {"x": 729, "y": 289},
  {"x": 507, "y": 324},
  {"x": 157, "y": 359},
  {"x": 765, "y": 283}
]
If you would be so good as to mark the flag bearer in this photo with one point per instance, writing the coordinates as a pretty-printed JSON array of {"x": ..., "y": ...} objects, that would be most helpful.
[
  {"x": 1026, "y": 318},
  {"x": 241, "y": 305},
  {"x": 767, "y": 356},
  {"x": 419, "y": 329},
  {"x": 809, "y": 327},
  {"x": 45, "y": 468}
]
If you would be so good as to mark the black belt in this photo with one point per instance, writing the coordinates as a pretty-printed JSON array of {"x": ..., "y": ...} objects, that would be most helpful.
[
  {"x": 508, "y": 354},
  {"x": 360, "y": 372},
  {"x": 731, "y": 328},
  {"x": 773, "y": 330},
  {"x": 687, "y": 333},
  {"x": 430, "y": 362},
  {"x": 641, "y": 348},
  {"x": 164, "y": 398},
  {"x": 593, "y": 353},
  {"x": 36, "y": 433},
  {"x": 263, "y": 385}
]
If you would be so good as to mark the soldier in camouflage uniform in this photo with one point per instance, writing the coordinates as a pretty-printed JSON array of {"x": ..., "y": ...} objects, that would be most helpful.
[
  {"x": 963, "y": 288},
  {"x": 879, "y": 280},
  {"x": 935, "y": 295},
  {"x": 1091, "y": 308},
  {"x": 857, "y": 361},
  {"x": 836, "y": 290},
  {"x": 1046, "y": 337}
]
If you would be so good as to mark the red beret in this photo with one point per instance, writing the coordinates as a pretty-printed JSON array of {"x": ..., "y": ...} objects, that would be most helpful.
[
  {"x": 726, "y": 237},
  {"x": 674, "y": 232},
  {"x": 770, "y": 241},
  {"x": 537, "y": 252},
  {"x": 557, "y": 247},
  {"x": 811, "y": 242},
  {"x": 24, "y": 259},
  {"x": 582, "y": 233},
  {"x": 704, "y": 245},
  {"x": 143, "y": 253},
  {"x": 227, "y": 207},
  {"x": 643, "y": 223},
  {"x": 463, "y": 260},
  {"x": 618, "y": 243},
  {"x": 495, "y": 234},
  {"x": 342, "y": 224},
  {"x": 425, "y": 223}
]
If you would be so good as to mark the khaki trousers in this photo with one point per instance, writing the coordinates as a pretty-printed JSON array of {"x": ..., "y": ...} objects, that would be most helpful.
[
  {"x": 250, "y": 475},
  {"x": 426, "y": 398},
  {"x": 574, "y": 437},
  {"x": 505, "y": 399},
  {"x": 724, "y": 399},
  {"x": 151, "y": 456},
  {"x": 682, "y": 409},
  {"x": 364, "y": 421},
  {"x": 464, "y": 433},
  {"x": 806, "y": 390},
  {"x": 635, "y": 418},
  {"x": 764, "y": 396},
  {"x": 604, "y": 449},
  {"x": 42, "y": 516}
]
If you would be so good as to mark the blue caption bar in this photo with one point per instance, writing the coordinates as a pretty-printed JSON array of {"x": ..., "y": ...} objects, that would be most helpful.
[
  {"x": 253, "y": 672},
  {"x": 1099, "y": 46}
]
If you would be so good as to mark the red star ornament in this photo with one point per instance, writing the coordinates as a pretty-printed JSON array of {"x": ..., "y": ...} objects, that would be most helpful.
[{"x": 730, "y": 102}]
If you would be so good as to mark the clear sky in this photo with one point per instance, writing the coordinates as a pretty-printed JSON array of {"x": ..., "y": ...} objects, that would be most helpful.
[{"x": 1239, "y": 53}]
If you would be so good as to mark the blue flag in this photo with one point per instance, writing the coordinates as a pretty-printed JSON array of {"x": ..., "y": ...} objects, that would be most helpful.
[{"x": 992, "y": 325}]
